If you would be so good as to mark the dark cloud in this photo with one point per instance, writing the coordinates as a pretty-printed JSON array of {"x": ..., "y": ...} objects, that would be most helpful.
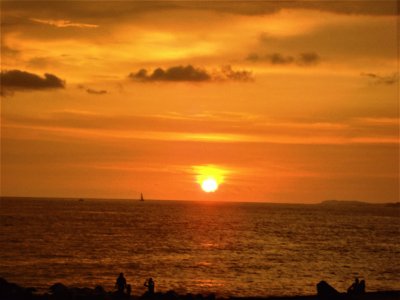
[
  {"x": 309, "y": 58},
  {"x": 91, "y": 90},
  {"x": 370, "y": 7},
  {"x": 303, "y": 59},
  {"x": 229, "y": 74},
  {"x": 382, "y": 80},
  {"x": 96, "y": 92},
  {"x": 16, "y": 80},
  {"x": 90, "y": 11},
  {"x": 190, "y": 73},
  {"x": 279, "y": 59},
  {"x": 178, "y": 73}
]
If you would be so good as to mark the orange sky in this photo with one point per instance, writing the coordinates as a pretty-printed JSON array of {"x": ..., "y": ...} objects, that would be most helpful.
[{"x": 281, "y": 102}]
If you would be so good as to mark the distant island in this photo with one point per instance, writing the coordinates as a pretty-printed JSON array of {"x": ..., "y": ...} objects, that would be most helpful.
[{"x": 356, "y": 203}]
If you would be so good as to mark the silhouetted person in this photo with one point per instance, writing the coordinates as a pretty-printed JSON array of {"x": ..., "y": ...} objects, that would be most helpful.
[
  {"x": 121, "y": 283},
  {"x": 128, "y": 290},
  {"x": 361, "y": 287},
  {"x": 149, "y": 283},
  {"x": 354, "y": 287}
]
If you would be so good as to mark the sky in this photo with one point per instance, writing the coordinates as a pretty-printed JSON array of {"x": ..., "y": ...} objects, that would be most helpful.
[{"x": 277, "y": 101}]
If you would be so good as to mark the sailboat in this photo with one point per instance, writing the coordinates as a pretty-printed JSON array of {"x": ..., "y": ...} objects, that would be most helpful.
[{"x": 141, "y": 197}]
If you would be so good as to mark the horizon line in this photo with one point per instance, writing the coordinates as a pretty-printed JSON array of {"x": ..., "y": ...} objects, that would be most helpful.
[{"x": 205, "y": 200}]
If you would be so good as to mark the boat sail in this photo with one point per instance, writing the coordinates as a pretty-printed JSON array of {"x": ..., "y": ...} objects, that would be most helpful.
[{"x": 141, "y": 197}]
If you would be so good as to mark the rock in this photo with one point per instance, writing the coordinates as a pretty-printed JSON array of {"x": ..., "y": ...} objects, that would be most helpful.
[
  {"x": 12, "y": 291},
  {"x": 210, "y": 297},
  {"x": 99, "y": 290},
  {"x": 171, "y": 295},
  {"x": 59, "y": 289},
  {"x": 325, "y": 291}
]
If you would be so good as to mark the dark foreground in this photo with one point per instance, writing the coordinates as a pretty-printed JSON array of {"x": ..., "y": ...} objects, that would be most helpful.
[{"x": 58, "y": 291}]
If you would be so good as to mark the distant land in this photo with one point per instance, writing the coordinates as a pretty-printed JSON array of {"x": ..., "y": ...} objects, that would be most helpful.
[{"x": 356, "y": 203}]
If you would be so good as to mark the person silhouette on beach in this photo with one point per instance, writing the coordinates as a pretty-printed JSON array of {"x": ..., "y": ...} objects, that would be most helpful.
[
  {"x": 353, "y": 289},
  {"x": 149, "y": 283},
  {"x": 361, "y": 287},
  {"x": 121, "y": 283}
]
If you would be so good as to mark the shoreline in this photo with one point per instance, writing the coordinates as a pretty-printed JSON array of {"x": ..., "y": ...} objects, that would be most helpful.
[{"x": 58, "y": 291}]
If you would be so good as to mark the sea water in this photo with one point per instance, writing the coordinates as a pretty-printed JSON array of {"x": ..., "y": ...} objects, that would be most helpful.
[{"x": 231, "y": 249}]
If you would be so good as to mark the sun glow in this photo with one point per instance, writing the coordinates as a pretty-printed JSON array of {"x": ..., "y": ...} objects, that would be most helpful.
[
  {"x": 209, "y": 177},
  {"x": 209, "y": 185}
]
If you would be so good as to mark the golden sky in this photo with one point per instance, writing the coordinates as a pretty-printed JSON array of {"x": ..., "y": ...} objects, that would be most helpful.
[{"x": 279, "y": 101}]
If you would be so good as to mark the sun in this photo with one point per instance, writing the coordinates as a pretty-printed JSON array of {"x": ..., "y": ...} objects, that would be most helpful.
[
  {"x": 209, "y": 185},
  {"x": 210, "y": 177}
]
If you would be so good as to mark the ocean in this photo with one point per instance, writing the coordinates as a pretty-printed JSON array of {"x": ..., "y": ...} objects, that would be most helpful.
[{"x": 230, "y": 249}]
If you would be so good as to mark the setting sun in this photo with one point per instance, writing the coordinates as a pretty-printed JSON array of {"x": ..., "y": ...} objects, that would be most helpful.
[
  {"x": 209, "y": 185},
  {"x": 209, "y": 177}
]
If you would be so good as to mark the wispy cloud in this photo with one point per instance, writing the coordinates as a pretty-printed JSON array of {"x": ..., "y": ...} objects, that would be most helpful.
[
  {"x": 8, "y": 51},
  {"x": 382, "y": 80},
  {"x": 63, "y": 23},
  {"x": 302, "y": 59},
  {"x": 220, "y": 129}
]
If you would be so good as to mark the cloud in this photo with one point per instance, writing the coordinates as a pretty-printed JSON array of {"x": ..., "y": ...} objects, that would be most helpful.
[
  {"x": 96, "y": 92},
  {"x": 190, "y": 73},
  {"x": 227, "y": 73},
  {"x": 8, "y": 51},
  {"x": 308, "y": 58},
  {"x": 91, "y": 90},
  {"x": 372, "y": 7},
  {"x": 382, "y": 80},
  {"x": 15, "y": 80},
  {"x": 76, "y": 124},
  {"x": 129, "y": 9},
  {"x": 274, "y": 58},
  {"x": 302, "y": 59},
  {"x": 63, "y": 23},
  {"x": 178, "y": 73}
]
